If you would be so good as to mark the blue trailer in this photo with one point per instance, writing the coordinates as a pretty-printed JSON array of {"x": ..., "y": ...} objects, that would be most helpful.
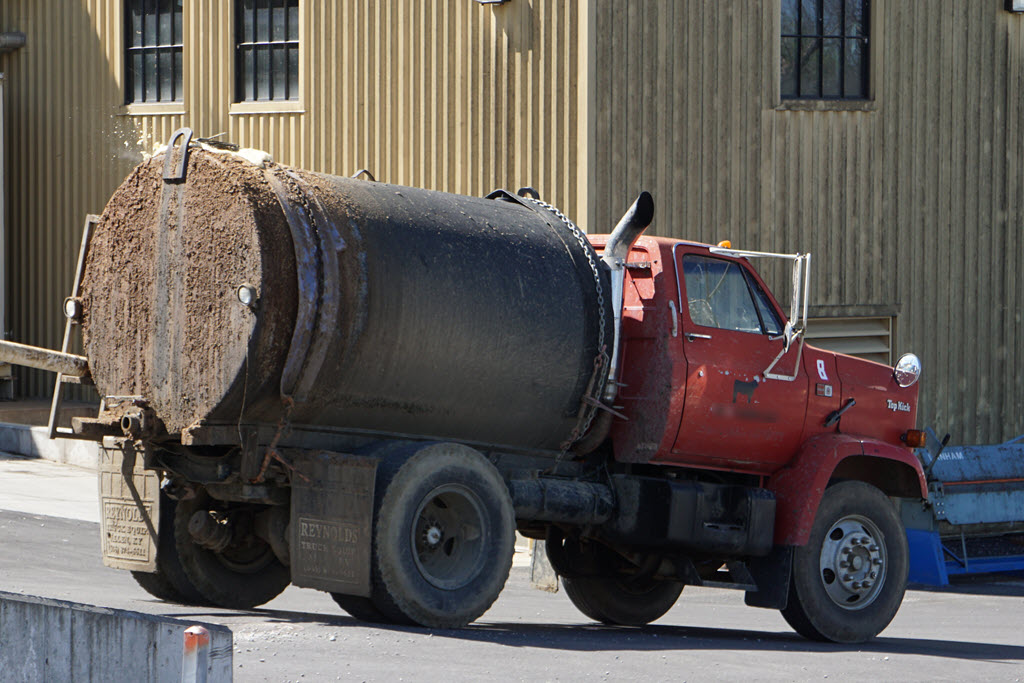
[{"x": 973, "y": 521}]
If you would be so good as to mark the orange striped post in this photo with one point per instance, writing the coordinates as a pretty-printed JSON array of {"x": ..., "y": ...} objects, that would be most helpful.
[{"x": 196, "y": 656}]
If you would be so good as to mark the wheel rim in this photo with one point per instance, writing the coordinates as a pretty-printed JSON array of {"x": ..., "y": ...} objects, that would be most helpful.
[
  {"x": 853, "y": 562},
  {"x": 449, "y": 537}
]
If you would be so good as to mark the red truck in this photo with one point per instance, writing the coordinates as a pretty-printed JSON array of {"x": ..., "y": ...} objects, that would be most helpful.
[{"x": 367, "y": 389}]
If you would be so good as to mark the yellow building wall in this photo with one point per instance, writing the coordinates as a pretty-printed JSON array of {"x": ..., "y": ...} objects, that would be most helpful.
[
  {"x": 912, "y": 204},
  {"x": 455, "y": 96}
]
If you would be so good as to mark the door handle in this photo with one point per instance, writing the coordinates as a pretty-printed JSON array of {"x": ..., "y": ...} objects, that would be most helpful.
[{"x": 690, "y": 336}]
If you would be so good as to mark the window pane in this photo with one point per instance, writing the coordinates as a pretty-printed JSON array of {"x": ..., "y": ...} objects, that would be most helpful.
[
  {"x": 262, "y": 20},
  {"x": 149, "y": 68},
  {"x": 136, "y": 76},
  {"x": 293, "y": 72},
  {"x": 177, "y": 23},
  {"x": 149, "y": 36},
  {"x": 832, "y": 14},
  {"x": 856, "y": 69},
  {"x": 245, "y": 75},
  {"x": 789, "y": 16},
  {"x": 832, "y": 64},
  {"x": 279, "y": 75},
  {"x": 809, "y": 19},
  {"x": 164, "y": 70},
  {"x": 262, "y": 73},
  {"x": 165, "y": 25},
  {"x": 277, "y": 20},
  {"x": 789, "y": 66},
  {"x": 768, "y": 315},
  {"x": 856, "y": 17},
  {"x": 135, "y": 39},
  {"x": 245, "y": 22},
  {"x": 810, "y": 54},
  {"x": 177, "y": 75},
  {"x": 293, "y": 19},
  {"x": 717, "y": 295}
]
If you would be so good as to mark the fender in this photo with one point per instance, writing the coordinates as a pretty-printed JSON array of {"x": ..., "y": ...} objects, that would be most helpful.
[{"x": 799, "y": 486}]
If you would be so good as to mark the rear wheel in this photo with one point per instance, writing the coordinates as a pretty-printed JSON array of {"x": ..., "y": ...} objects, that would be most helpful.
[
  {"x": 363, "y": 609},
  {"x": 848, "y": 581},
  {"x": 622, "y": 601},
  {"x": 443, "y": 538},
  {"x": 168, "y": 582},
  {"x": 243, "y": 572}
]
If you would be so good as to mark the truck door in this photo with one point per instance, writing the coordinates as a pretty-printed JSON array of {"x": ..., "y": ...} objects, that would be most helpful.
[{"x": 733, "y": 416}]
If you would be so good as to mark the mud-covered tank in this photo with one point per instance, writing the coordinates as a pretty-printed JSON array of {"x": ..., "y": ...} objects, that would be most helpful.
[{"x": 246, "y": 293}]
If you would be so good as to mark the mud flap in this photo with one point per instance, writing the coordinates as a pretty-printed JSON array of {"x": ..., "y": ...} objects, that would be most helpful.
[
  {"x": 332, "y": 522},
  {"x": 542, "y": 574},
  {"x": 129, "y": 509},
  {"x": 771, "y": 574}
]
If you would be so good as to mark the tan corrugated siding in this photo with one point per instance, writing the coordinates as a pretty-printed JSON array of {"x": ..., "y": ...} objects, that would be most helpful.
[
  {"x": 65, "y": 152},
  {"x": 454, "y": 96},
  {"x": 914, "y": 206}
]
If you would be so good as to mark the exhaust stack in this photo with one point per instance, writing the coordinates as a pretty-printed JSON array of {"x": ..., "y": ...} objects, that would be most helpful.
[{"x": 630, "y": 227}]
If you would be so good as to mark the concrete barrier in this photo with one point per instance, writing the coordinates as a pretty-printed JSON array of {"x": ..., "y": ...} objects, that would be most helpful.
[
  {"x": 42, "y": 639},
  {"x": 35, "y": 442}
]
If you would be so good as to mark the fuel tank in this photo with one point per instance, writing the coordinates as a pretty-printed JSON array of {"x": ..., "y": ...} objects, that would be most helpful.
[{"x": 244, "y": 294}]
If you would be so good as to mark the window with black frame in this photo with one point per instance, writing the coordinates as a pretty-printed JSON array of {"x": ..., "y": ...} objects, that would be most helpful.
[
  {"x": 825, "y": 49},
  {"x": 153, "y": 45},
  {"x": 267, "y": 50}
]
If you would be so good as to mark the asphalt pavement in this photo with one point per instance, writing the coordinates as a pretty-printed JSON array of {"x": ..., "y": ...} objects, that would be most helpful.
[{"x": 49, "y": 536}]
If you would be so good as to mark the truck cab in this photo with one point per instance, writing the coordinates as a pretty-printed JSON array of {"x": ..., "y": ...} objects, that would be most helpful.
[{"x": 746, "y": 391}]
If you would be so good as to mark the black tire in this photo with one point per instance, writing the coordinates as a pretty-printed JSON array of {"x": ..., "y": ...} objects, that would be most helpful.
[
  {"x": 168, "y": 582},
  {"x": 621, "y": 601},
  {"x": 443, "y": 538},
  {"x": 243, "y": 575},
  {"x": 363, "y": 609},
  {"x": 848, "y": 581}
]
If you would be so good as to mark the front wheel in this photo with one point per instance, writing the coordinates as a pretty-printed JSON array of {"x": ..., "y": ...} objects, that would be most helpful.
[
  {"x": 622, "y": 602},
  {"x": 848, "y": 581}
]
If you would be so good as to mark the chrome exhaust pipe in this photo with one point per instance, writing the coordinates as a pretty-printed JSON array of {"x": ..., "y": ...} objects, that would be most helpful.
[{"x": 630, "y": 227}]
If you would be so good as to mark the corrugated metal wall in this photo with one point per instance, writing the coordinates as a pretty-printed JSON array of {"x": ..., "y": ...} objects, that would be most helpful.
[
  {"x": 67, "y": 149},
  {"x": 455, "y": 96},
  {"x": 912, "y": 206}
]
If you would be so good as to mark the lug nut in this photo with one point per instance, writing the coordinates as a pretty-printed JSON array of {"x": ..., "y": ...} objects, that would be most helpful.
[
  {"x": 873, "y": 548},
  {"x": 877, "y": 561},
  {"x": 866, "y": 584},
  {"x": 856, "y": 585},
  {"x": 874, "y": 575},
  {"x": 846, "y": 577},
  {"x": 844, "y": 564}
]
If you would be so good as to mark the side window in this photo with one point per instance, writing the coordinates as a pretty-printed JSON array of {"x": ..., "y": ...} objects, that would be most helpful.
[
  {"x": 719, "y": 295},
  {"x": 769, "y": 318}
]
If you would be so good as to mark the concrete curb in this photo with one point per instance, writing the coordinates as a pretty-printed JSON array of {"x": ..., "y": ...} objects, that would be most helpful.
[
  {"x": 42, "y": 639},
  {"x": 35, "y": 442}
]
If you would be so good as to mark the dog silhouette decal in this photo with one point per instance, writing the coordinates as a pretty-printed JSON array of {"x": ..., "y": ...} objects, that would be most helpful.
[{"x": 740, "y": 388}]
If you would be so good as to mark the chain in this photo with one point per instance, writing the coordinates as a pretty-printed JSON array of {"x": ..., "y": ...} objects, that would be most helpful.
[{"x": 600, "y": 361}]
